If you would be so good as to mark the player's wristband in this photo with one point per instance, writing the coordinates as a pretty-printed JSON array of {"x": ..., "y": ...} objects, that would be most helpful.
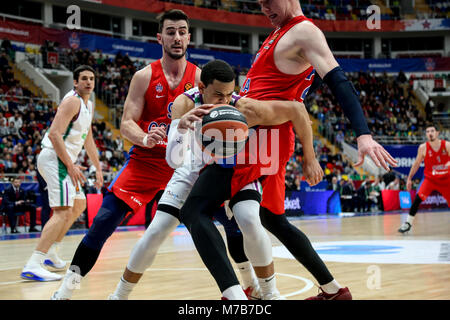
[
  {"x": 346, "y": 94},
  {"x": 144, "y": 140}
]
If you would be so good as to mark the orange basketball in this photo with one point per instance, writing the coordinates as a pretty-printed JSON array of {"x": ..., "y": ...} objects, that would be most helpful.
[{"x": 224, "y": 131}]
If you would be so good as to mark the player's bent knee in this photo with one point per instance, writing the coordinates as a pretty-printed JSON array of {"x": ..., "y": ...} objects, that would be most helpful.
[
  {"x": 63, "y": 213},
  {"x": 103, "y": 226}
]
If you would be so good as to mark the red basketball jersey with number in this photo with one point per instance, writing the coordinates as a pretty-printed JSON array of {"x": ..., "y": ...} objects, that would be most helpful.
[
  {"x": 158, "y": 104},
  {"x": 146, "y": 171},
  {"x": 435, "y": 162},
  {"x": 266, "y": 82}
]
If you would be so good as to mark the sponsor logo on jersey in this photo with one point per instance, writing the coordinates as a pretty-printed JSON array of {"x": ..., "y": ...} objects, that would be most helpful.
[
  {"x": 133, "y": 198},
  {"x": 188, "y": 86},
  {"x": 159, "y": 88}
]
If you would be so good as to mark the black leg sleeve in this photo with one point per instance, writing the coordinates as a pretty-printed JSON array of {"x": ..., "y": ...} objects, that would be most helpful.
[
  {"x": 297, "y": 243},
  {"x": 415, "y": 206},
  {"x": 210, "y": 190}
]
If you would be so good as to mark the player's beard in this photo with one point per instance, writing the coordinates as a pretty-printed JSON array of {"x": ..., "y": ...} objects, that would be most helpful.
[
  {"x": 173, "y": 55},
  {"x": 176, "y": 56}
]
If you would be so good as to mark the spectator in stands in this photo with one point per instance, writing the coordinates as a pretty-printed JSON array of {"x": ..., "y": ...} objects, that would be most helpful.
[
  {"x": 4, "y": 107},
  {"x": 394, "y": 185},
  {"x": 17, "y": 200},
  {"x": 347, "y": 190},
  {"x": 17, "y": 120},
  {"x": 4, "y": 130},
  {"x": 429, "y": 109},
  {"x": 362, "y": 196},
  {"x": 375, "y": 199},
  {"x": 334, "y": 185}
]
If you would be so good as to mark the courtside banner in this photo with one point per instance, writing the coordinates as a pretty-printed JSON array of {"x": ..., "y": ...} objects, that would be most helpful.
[
  {"x": 405, "y": 155},
  {"x": 149, "y": 50},
  {"x": 395, "y": 65},
  {"x": 312, "y": 203}
]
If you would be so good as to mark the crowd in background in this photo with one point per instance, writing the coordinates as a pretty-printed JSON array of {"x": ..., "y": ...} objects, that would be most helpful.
[
  {"x": 327, "y": 9},
  {"x": 24, "y": 118},
  {"x": 387, "y": 102}
]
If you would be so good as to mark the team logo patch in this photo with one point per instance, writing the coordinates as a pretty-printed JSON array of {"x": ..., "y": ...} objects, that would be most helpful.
[
  {"x": 159, "y": 88},
  {"x": 188, "y": 86},
  {"x": 380, "y": 251}
]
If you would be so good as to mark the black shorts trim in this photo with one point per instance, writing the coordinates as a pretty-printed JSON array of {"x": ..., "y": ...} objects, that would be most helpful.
[
  {"x": 245, "y": 195},
  {"x": 169, "y": 209}
]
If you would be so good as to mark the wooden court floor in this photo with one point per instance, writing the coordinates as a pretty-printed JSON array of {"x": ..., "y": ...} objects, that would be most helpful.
[{"x": 365, "y": 253}]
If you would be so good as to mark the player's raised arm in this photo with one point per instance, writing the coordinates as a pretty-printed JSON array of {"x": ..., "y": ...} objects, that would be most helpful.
[
  {"x": 314, "y": 48},
  {"x": 416, "y": 165},
  {"x": 134, "y": 105}
]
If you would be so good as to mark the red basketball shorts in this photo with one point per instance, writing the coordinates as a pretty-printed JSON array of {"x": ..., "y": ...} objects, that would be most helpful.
[
  {"x": 440, "y": 185},
  {"x": 138, "y": 181}
]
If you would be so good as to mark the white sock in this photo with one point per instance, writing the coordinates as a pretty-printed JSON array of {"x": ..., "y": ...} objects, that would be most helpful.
[
  {"x": 54, "y": 248},
  {"x": 331, "y": 287},
  {"x": 234, "y": 293},
  {"x": 124, "y": 288},
  {"x": 410, "y": 219},
  {"x": 248, "y": 275},
  {"x": 36, "y": 258},
  {"x": 268, "y": 285},
  {"x": 71, "y": 281}
]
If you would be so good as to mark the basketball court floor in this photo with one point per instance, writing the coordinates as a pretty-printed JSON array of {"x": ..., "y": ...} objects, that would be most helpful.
[{"x": 365, "y": 253}]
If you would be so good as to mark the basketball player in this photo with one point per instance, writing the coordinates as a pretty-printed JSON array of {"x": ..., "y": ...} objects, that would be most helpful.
[
  {"x": 436, "y": 155},
  {"x": 283, "y": 69},
  {"x": 68, "y": 133},
  {"x": 216, "y": 87},
  {"x": 146, "y": 115}
]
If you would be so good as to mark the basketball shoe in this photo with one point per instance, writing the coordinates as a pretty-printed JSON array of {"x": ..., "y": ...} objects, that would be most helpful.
[
  {"x": 253, "y": 293},
  {"x": 405, "y": 227},
  {"x": 53, "y": 260},
  {"x": 342, "y": 294},
  {"x": 273, "y": 296},
  {"x": 38, "y": 273}
]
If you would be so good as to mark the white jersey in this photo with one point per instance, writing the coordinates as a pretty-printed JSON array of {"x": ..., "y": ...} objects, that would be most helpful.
[
  {"x": 77, "y": 130},
  {"x": 184, "y": 177}
]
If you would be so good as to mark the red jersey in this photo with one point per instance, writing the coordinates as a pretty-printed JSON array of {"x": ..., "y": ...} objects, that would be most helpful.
[
  {"x": 146, "y": 170},
  {"x": 266, "y": 82},
  {"x": 435, "y": 162},
  {"x": 158, "y": 104}
]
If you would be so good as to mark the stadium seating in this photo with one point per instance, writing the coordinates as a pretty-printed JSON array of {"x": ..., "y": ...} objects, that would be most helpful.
[{"x": 23, "y": 121}]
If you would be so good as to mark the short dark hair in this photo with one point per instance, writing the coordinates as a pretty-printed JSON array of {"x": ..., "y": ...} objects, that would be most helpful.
[
  {"x": 431, "y": 125},
  {"x": 217, "y": 70},
  {"x": 174, "y": 15},
  {"x": 80, "y": 69}
]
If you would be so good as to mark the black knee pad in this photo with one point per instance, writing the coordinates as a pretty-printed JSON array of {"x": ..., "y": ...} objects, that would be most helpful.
[{"x": 244, "y": 195}]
